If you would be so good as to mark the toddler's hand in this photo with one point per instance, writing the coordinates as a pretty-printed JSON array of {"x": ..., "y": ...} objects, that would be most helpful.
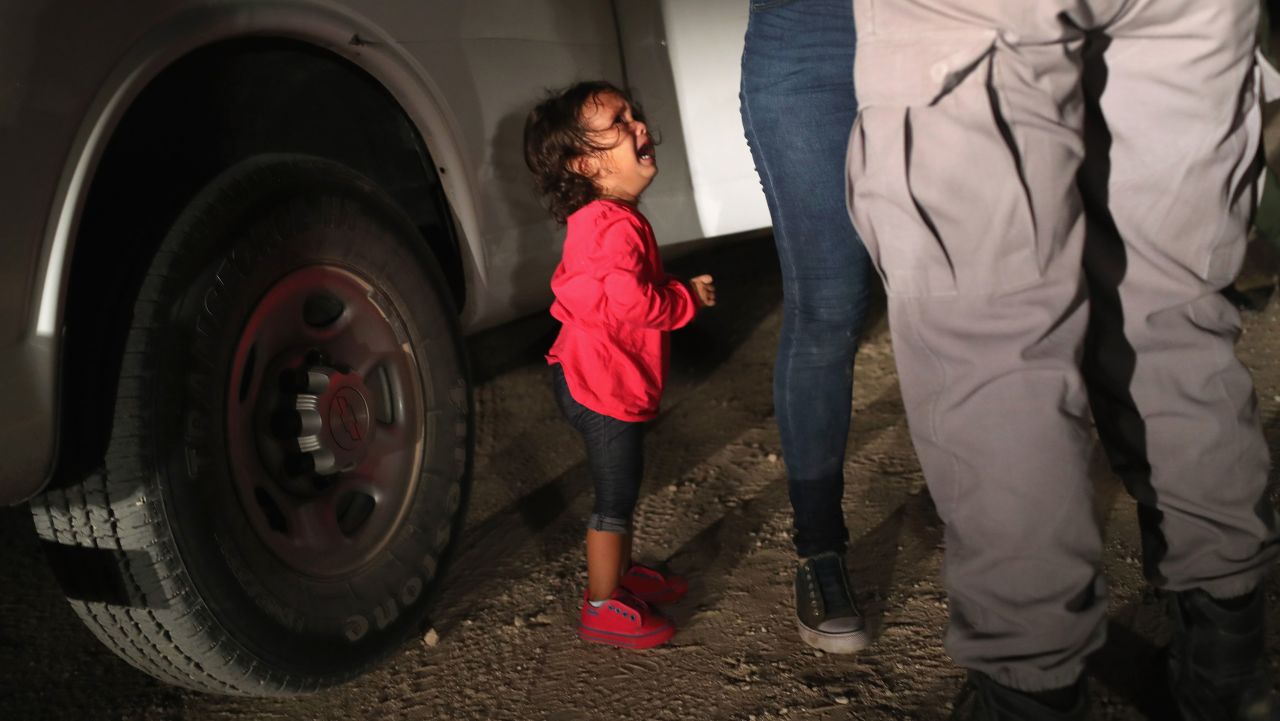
[{"x": 705, "y": 289}]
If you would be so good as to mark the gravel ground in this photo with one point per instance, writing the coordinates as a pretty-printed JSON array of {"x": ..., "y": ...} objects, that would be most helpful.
[{"x": 501, "y": 643}]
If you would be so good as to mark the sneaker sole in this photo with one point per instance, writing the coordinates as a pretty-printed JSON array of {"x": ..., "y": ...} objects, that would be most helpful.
[
  {"x": 848, "y": 642},
  {"x": 649, "y": 640}
]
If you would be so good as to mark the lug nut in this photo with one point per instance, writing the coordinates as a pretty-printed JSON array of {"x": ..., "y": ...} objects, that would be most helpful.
[{"x": 304, "y": 380}]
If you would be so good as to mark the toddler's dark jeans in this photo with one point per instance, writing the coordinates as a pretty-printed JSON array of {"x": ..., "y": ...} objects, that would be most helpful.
[{"x": 615, "y": 455}]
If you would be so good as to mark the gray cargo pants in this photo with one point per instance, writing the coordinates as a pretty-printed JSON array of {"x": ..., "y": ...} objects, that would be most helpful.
[{"x": 1053, "y": 192}]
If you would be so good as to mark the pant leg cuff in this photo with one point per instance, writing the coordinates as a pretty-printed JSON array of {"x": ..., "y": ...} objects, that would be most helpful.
[
  {"x": 1035, "y": 680},
  {"x": 609, "y": 524},
  {"x": 1230, "y": 588}
]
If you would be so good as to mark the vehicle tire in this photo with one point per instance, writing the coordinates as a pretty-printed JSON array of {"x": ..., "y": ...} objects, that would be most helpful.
[{"x": 290, "y": 451}]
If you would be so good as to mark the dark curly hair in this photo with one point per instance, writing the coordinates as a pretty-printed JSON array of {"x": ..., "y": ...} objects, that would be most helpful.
[{"x": 554, "y": 136}]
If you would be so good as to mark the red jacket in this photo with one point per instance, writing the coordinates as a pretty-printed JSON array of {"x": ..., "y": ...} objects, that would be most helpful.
[{"x": 617, "y": 306}]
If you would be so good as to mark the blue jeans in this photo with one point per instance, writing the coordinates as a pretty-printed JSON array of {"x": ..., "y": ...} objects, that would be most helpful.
[
  {"x": 615, "y": 455},
  {"x": 798, "y": 106}
]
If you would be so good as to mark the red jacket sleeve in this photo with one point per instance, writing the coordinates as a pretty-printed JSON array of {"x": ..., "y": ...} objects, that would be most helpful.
[{"x": 631, "y": 297}]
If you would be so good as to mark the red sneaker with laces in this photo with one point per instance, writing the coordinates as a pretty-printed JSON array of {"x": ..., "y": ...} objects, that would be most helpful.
[
  {"x": 653, "y": 586},
  {"x": 625, "y": 621}
]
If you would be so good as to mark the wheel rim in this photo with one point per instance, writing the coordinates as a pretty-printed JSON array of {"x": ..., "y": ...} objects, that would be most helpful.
[{"x": 325, "y": 421}]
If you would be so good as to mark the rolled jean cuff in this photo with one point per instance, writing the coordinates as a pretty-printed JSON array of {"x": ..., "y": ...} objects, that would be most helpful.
[{"x": 609, "y": 524}]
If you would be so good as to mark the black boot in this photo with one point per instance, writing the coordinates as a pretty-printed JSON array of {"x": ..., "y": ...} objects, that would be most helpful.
[
  {"x": 1218, "y": 658},
  {"x": 1001, "y": 703}
]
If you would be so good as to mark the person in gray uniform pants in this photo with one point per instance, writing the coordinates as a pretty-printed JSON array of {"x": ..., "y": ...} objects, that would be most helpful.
[{"x": 1054, "y": 192}]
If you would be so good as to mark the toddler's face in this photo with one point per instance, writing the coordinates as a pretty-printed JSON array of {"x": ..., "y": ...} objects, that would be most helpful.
[{"x": 629, "y": 165}]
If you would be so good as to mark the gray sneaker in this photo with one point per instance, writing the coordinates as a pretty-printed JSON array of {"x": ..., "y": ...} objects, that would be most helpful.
[{"x": 825, "y": 611}]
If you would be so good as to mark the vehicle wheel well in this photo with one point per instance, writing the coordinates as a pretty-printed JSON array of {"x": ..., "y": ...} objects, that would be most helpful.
[{"x": 209, "y": 110}]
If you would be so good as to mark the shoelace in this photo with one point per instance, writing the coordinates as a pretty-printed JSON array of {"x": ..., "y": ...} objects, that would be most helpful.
[{"x": 831, "y": 583}]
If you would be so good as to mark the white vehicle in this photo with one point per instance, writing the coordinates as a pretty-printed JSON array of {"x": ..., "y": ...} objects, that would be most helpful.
[{"x": 240, "y": 242}]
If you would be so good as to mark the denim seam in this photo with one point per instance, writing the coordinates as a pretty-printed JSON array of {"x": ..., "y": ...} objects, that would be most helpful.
[{"x": 779, "y": 223}]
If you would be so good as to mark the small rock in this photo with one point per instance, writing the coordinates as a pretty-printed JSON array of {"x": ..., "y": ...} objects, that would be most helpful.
[
  {"x": 772, "y": 457},
  {"x": 431, "y": 638},
  {"x": 517, "y": 622},
  {"x": 842, "y": 700}
]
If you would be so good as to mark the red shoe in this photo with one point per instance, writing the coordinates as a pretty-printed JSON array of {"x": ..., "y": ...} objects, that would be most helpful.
[
  {"x": 651, "y": 586},
  {"x": 625, "y": 621}
]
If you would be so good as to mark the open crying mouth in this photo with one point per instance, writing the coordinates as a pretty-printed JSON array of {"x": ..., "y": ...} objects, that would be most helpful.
[{"x": 645, "y": 152}]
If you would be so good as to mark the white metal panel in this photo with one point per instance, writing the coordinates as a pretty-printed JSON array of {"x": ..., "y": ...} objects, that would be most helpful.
[
  {"x": 705, "y": 39},
  {"x": 493, "y": 60},
  {"x": 668, "y": 203}
]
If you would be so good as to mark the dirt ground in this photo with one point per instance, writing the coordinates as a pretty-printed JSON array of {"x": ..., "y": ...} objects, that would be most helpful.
[{"x": 714, "y": 506}]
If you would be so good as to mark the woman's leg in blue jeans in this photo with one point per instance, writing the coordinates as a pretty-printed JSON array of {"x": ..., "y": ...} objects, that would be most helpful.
[{"x": 798, "y": 106}]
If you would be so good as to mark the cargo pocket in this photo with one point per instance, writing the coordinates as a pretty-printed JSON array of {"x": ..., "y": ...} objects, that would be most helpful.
[
  {"x": 1220, "y": 180},
  {"x": 935, "y": 184}
]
